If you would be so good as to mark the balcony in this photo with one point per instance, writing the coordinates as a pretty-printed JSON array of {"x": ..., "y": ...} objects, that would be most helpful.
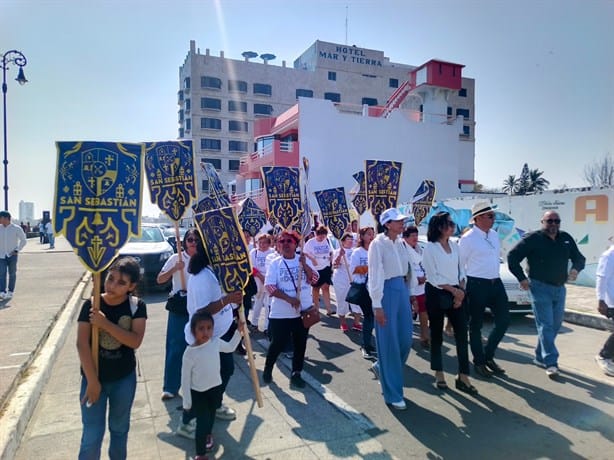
[{"x": 278, "y": 153}]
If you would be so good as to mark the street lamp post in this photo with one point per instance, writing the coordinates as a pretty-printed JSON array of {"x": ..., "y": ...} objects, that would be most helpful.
[{"x": 17, "y": 58}]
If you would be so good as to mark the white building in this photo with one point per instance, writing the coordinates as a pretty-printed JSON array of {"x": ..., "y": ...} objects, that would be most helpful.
[
  {"x": 26, "y": 212},
  {"x": 220, "y": 99}
]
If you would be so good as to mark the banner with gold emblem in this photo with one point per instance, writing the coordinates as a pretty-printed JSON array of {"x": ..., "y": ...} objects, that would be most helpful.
[
  {"x": 360, "y": 193},
  {"x": 226, "y": 247},
  {"x": 283, "y": 191},
  {"x": 251, "y": 217},
  {"x": 382, "y": 183},
  {"x": 422, "y": 200},
  {"x": 334, "y": 210},
  {"x": 169, "y": 167},
  {"x": 214, "y": 187},
  {"x": 97, "y": 204}
]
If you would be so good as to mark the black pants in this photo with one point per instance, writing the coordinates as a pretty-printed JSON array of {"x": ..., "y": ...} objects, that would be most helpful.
[
  {"x": 608, "y": 348},
  {"x": 204, "y": 404},
  {"x": 458, "y": 320},
  {"x": 283, "y": 330},
  {"x": 482, "y": 293}
]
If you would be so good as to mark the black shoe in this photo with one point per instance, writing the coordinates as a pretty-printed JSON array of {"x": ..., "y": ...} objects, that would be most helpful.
[
  {"x": 267, "y": 375},
  {"x": 494, "y": 367},
  {"x": 469, "y": 389},
  {"x": 241, "y": 350},
  {"x": 297, "y": 381},
  {"x": 482, "y": 371}
]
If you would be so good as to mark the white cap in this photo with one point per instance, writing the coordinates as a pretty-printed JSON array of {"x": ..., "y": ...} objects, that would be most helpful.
[{"x": 391, "y": 214}]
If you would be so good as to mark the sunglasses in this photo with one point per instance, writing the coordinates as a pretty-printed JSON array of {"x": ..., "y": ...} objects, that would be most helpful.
[
  {"x": 289, "y": 240},
  {"x": 489, "y": 215},
  {"x": 553, "y": 221},
  {"x": 191, "y": 240},
  {"x": 451, "y": 223}
]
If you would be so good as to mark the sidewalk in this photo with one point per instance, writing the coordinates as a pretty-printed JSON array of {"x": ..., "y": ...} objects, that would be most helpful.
[{"x": 37, "y": 351}]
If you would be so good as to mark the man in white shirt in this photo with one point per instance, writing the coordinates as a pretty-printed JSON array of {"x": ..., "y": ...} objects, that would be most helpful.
[
  {"x": 12, "y": 240},
  {"x": 605, "y": 297},
  {"x": 480, "y": 255}
]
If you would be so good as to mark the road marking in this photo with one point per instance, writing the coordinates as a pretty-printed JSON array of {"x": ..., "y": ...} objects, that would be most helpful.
[
  {"x": 15, "y": 366},
  {"x": 21, "y": 353}
]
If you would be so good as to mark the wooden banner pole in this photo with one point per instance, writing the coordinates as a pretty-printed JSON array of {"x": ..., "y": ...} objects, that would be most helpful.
[{"x": 250, "y": 357}]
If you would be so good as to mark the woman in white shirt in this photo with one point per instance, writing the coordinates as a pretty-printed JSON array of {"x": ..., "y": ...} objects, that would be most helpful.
[
  {"x": 258, "y": 257},
  {"x": 288, "y": 281},
  {"x": 177, "y": 312},
  {"x": 388, "y": 265},
  {"x": 359, "y": 269},
  {"x": 319, "y": 251},
  {"x": 445, "y": 296},
  {"x": 341, "y": 283}
]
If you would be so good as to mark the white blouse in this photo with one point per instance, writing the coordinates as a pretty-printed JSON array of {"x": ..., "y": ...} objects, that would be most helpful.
[
  {"x": 387, "y": 259},
  {"x": 441, "y": 267}
]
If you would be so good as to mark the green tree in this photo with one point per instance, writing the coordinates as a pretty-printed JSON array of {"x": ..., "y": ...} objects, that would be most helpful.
[
  {"x": 510, "y": 185},
  {"x": 537, "y": 183},
  {"x": 524, "y": 181}
]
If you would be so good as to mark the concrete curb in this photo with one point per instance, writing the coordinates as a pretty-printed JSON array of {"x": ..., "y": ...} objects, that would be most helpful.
[
  {"x": 23, "y": 400},
  {"x": 589, "y": 320}
]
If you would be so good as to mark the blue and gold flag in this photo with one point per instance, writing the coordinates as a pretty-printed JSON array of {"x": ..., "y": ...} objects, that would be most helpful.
[
  {"x": 382, "y": 182},
  {"x": 251, "y": 217},
  {"x": 283, "y": 192},
  {"x": 225, "y": 247},
  {"x": 360, "y": 195},
  {"x": 334, "y": 210},
  {"x": 170, "y": 175},
  {"x": 422, "y": 200},
  {"x": 216, "y": 189},
  {"x": 97, "y": 202},
  {"x": 205, "y": 204}
]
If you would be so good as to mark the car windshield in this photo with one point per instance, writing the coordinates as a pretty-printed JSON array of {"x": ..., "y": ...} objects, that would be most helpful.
[{"x": 148, "y": 235}]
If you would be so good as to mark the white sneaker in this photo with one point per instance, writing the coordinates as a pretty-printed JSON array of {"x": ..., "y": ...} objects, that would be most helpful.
[
  {"x": 605, "y": 364},
  {"x": 166, "y": 395},
  {"x": 2, "y": 296},
  {"x": 552, "y": 372},
  {"x": 8, "y": 295},
  {"x": 399, "y": 405},
  {"x": 184, "y": 431},
  {"x": 225, "y": 413}
]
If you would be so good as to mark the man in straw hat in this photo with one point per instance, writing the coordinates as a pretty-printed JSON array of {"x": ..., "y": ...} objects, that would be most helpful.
[{"x": 480, "y": 255}]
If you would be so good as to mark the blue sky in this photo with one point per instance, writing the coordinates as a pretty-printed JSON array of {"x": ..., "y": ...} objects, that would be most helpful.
[{"x": 108, "y": 70}]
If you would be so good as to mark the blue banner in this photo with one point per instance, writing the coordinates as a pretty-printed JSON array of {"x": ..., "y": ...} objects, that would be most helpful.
[
  {"x": 97, "y": 204},
  {"x": 205, "y": 204},
  {"x": 283, "y": 193},
  {"x": 360, "y": 195},
  {"x": 334, "y": 210},
  {"x": 216, "y": 189},
  {"x": 382, "y": 181},
  {"x": 251, "y": 217},
  {"x": 170, "y": 175},
  {"x": 226, "y": 247},
  {"x": 422, "y": 200}
]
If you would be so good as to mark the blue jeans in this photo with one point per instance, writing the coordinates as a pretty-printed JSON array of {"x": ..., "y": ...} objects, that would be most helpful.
[
  {"x": 548, "y": 309},
  {"x": 51, "y": 237},
  {"x": 394, "y": 339},
  {"x": 175, "y": 346},
  {"x": 120, "y": 395},
  {"x": 10, "y": 265}
]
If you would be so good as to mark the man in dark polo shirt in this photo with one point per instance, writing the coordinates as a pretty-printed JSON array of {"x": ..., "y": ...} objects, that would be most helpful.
[{"x": 548, "y": 252}]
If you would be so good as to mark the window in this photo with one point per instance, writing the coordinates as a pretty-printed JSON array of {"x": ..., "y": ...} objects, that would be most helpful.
[
  {"x": 237, "y": 146},
  {"x": 233, "y": 165},
  {"x": 262, "y": 89},
  {"x": 180, "y": 116},
  {"x": 180, "y": 95},
  {"x": 304, "y": 93},
  {"x": 188, "y": 124},
  {"x": 237, "y": 85},
  {"x": 393, "y": 83},
  {"x": 188, "y": 105},
  {"x": 332, "y": 76},
  {"x": 210, "y": 82},
  {"x": 210, "y": 103},
  {"x": 181, "y": 133},
  {"x": 237, "y": 106},
  {"x": 335, "y": 97},
  {"x": 217, "y": 164},
  {"x": 210, "y": 123},
  {"x": 236, "y": 125},
  {"x": 210, "y": 144},
  {"x": 462, "y": 92},
  {"x": 466, "y": 131},
  {"x": 463, "y": 112},
  {"x": 186, "y": 83},
  {"x": 263, "y": 109},
  {"x": 449, "y": 111},
  {"x": 369, "y": 101}
]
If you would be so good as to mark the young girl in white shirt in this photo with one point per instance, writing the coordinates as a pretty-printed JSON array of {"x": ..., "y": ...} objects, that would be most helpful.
[
  {"x": 341, "y": 283},
  {"x": 258, "y": 257},
  {"x": 201, "y": 384}
]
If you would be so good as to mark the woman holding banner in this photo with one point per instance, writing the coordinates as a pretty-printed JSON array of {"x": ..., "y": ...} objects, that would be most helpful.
[
  {"x": 320, "y": 252},
  {"x": 388, "y": 265},
  {"x": 288, "y": 281},
  {"x": 204, "y": 293},
  {"x": 341, "y": 283},
  {"x": 176, "y": 306}
]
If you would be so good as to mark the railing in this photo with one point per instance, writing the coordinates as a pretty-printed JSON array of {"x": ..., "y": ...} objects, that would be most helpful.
[{"x": 253, "y": 194}]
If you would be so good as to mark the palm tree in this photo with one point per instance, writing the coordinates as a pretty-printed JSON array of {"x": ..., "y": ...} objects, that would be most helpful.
[
  {"x": 510, "y": 185},
  {"x": 537, "y": 183}
]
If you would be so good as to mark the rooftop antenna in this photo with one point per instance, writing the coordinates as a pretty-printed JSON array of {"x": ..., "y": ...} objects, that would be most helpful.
[{"x": 346, "y": 25}]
